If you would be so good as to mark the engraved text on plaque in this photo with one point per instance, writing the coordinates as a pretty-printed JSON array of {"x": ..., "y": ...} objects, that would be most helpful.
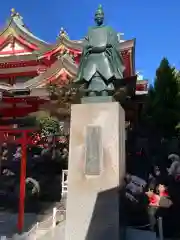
[{"x": 93, "y": 152}]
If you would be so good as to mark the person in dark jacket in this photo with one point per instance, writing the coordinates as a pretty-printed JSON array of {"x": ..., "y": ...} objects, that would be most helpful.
[{"x": 155, "y": 177}]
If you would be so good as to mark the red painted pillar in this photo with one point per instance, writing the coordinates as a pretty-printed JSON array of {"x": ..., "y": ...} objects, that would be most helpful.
[{"x": 22, "y": 182}]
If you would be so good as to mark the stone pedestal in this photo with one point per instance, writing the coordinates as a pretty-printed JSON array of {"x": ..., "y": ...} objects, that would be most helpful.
[{"x": 96, "y": 170}]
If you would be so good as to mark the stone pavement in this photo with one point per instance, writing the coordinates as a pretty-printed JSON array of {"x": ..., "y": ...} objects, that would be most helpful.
[
  {"x": 8, "y": 223},
  {"x": 134, "y": 234},
  {"x": 58, "y": 233}
]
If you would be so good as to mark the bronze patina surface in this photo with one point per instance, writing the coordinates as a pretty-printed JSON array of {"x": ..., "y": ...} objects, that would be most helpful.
[{"x": 101, "y": 64}]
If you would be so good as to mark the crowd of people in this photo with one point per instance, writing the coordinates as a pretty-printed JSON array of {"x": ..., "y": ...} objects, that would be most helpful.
[
  {"x": 49, "y": 148},
  {"x": 151, "y": 185},
  {"x": 45, "y": 162},
  {"x": 154, "y": 197}
]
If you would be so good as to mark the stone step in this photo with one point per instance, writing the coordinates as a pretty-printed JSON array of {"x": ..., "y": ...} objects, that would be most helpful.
[
  {"x": 135, "y": 234},
  {"x": 41, "y": 233}
]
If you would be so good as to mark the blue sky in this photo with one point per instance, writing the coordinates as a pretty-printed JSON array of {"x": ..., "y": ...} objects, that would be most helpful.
[{"x": 154, "y": 24}]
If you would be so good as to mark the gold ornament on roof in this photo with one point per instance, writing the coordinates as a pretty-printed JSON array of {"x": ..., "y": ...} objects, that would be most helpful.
[
  {"x": 13, "y": 12},
  {"x": 63, "y": 33}
]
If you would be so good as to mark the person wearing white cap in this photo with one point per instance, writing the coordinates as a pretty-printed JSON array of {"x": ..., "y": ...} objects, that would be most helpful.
[
  {"x": 174, "y": 157},
  {"x": 174, "y": 169}
]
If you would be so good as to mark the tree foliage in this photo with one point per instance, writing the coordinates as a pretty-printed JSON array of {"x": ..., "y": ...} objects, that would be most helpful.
[
  {"x": 62, "y": 97},
  {"x": 66, "y": 94},
  {"x": 48, "y": 125},
  {"x": 163, "y": 102}
]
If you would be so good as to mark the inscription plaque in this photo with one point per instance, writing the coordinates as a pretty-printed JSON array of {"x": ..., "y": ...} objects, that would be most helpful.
[{"x": 93, "y": 150}]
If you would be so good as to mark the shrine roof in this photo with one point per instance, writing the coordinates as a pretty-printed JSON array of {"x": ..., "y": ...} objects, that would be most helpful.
[
  {"x": 17, "y": 58},
  {"x": 127, "y": 44},
  {"x": 144, "y": 81},
  {"x": 18, "y": 70},
  {"x": 56, "y": 67},
  {"x": 16, "y": 26},
  {"x": 64, "y": 62}
]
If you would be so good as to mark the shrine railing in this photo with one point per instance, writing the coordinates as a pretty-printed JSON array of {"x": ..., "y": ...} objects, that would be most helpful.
[{"x": 64, "y": 182}]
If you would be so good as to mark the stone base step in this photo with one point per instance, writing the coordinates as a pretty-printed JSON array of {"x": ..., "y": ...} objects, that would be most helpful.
[{"x": 135, "y": 234}]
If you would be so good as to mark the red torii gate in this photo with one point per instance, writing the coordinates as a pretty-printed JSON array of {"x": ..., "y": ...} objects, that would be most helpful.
[
  {"x": 23, "y": 140},
  {"x": 28, "y": 104}
]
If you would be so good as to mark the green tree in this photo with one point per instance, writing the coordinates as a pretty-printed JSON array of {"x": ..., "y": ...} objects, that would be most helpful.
[
  {"x": 48, "y": 125},
  {"x": 62, "y": 97},
  {"x": 163, "y": 102}
]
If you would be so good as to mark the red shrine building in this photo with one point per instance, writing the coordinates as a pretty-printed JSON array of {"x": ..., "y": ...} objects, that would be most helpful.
[{"x": 28, "y": 64}]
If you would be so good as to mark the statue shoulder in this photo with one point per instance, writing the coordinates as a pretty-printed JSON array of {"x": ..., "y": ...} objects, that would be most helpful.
[
  {"x": 111, "y": 30},
  {"x": 89, "y": 31},
  {"x": 109, "y": 27},
  {"x": 114, "y": 35},
  {"x": 90, "y": 28}
]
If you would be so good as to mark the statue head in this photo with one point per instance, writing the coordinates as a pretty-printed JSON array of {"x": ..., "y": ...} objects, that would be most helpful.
[{"x": 99, "y": 16}]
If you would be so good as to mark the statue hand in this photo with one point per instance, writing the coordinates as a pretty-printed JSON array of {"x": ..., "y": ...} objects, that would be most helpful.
[
  {"x": 109, "y": 45},
  {"x": 89, "y": 47}
]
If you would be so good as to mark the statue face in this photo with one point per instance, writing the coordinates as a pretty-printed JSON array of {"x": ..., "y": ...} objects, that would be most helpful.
[{"x": 99, "y": 18}]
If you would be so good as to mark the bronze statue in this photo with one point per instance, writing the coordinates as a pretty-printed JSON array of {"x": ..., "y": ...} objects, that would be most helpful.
[{"x": 101, "y": 63}]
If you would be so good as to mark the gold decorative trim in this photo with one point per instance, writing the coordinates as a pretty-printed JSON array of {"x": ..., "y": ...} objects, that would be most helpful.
[{"x": 61, "y": 47}]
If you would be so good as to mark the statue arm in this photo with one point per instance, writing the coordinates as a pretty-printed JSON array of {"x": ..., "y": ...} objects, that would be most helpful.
[
  {"x": 83, "y": 55},
  {"x": 113, "y": 39},
  {"x": 114, "y": 42},
  {"x": 85, "y": 42},
  {"x": 87, "y": 48},
  {"x": 116, "y": 45}
]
